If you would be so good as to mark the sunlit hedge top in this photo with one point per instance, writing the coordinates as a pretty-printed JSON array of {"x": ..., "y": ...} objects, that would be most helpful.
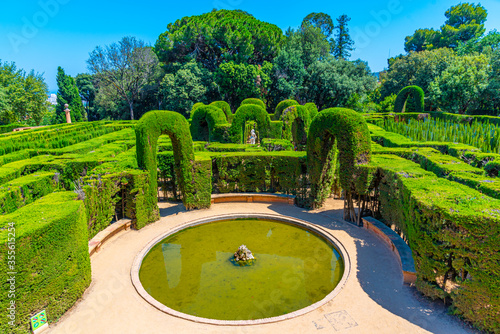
[
  {"x": 282, "y": 106},
  {"x": 257, "y": 102},
  {"x": 225, "y": 107},
  {"x": 210, "y": 115}
]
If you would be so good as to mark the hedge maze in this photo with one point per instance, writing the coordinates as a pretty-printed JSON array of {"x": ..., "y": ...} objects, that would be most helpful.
[{"x": 61, "y": 185}]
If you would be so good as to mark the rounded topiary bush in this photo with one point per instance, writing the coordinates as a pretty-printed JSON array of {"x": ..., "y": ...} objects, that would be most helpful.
[
  {"x": 203, "y": 121},
  {"x": 195, "y": 106},
  {"x": 249, "y": 112},
  {"x": 225, "y": 107},
  {"x": 282, "y": 106},
  {"x": 255, "y": 101},
  {"x": 411, "y": 99}
]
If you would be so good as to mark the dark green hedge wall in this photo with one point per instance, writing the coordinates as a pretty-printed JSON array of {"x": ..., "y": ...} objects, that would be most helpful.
[
  {"x": 51, "y": 258},
  {"x": 413, "y": 96},
  {"x": 249, "y": 112}
]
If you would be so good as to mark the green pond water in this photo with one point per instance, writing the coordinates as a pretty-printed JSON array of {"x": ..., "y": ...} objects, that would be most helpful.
[{"x": 191, "y": 271}]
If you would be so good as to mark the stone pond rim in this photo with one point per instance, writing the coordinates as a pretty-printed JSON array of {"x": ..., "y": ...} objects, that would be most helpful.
[{"x": 319, "y": 231}]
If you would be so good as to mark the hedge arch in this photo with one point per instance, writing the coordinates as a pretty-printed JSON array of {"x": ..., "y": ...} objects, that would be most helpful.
[
  {"x": 225, "y": 107},
  {"x": 412, "y": 97},
  {"x": 349, "y": 131},
  {"x": 296, "y": 121},
  {"x": 282, "y": 106},
  {"x": 203, "y": 121},
  {"x": 195, "y": 106},
  {"x": 153, "y": 124},
  {"x": 249, "y": 112},
  {"x": 257, "y": 102}
]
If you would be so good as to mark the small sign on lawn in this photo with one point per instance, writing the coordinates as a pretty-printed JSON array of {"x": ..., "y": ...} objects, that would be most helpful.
[{"x": 39, "y": 322}]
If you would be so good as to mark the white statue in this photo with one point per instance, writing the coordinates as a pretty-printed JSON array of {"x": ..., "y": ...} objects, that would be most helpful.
[{"x": 253, "y": 136}]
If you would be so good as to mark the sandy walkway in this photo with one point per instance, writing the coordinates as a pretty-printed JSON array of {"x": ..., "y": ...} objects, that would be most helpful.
[{"x": 374, "y": 300}]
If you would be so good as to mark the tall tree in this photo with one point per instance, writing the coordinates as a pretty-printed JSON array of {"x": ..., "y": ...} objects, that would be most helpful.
[
  {"x": 464, "y": 22},
  {"x": 343, "y": 42},
  {"x": 320, "y": 20},
  {"x": 23, "y": 97},
  {"x": 126, "y": 67},
  {"x": 67, "y": 93},
  {"x": 87, "y": 92},
  {"x": 218, "y": 37}
]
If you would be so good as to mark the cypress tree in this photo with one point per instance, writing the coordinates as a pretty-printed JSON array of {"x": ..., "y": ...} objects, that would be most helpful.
[{"x": 68, "y": 93}]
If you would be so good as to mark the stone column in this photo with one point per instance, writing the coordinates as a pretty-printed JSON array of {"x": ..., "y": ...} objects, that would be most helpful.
[{"x": 68, "y": 115}]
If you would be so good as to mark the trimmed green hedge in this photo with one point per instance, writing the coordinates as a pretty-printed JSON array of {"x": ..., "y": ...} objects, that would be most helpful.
[
  {"x": 9, "y": 127},
  {"x": 453, "y": 232},
  {"x": 296, "y": 121},
  {"x": 225, "y": 107},
  {"x": 22, "y": 191},
  {"x": 282, "y": 106},
  {"x": 249, "y": 112},
  {"x": 255, "y": 101},
  {"x": 410, "y": 98},
  {"x": 50, "y": 257},
  {"x": 349, "y": 131},
  {"x": 203, "y": 121},
  {"x": 276, "y": 130},
  {"x": 271, "y": 145},
  {"x": 148, "y": 129}
]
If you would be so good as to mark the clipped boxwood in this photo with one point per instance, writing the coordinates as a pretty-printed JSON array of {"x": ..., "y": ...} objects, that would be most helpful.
[
  {"x": 255, "y": 101},
  {"x": 282, "y": 106},
  {"x": 203, "y": 122},
  {"x": 249, "y": 112},
  {"x": 51, "y": 259},
  {"x": 412, "y": 97},
  {"x": 349, "y": 130},
  {"x": 225, "y": 107}
]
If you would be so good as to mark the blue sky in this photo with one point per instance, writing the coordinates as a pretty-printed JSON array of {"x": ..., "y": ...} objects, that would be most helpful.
[{"x": 42, "y": 35}]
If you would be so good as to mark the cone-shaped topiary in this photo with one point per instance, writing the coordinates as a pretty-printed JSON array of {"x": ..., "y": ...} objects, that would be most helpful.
[
  {"x": 249, "y": 112},
  {"x": 349, "y": 130},
  {"x": 413, "y": 97},
  {"x": 203, "y": 121}
]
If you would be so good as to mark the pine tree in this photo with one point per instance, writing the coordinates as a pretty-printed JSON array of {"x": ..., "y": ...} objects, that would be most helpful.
[
  {"x": 343, "y": 42},
  {"x": 68, "y": 94}
]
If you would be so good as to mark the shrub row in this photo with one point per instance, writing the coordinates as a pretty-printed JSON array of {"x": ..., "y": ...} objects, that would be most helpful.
[
  {"x": 48, "y": 264},
  {"x": 453, "y": 232}
]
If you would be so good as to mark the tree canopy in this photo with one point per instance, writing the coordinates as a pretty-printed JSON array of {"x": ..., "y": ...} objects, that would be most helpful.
[
  {"x": 68, "y": 94},
  {"x": 218, "y": 37}
]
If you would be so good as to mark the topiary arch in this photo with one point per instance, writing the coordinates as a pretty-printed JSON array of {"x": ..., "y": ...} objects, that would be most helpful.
[
  {"x": 249, "y": 112},
  {"x": 153, "y": 124},
  {"x": 349, "y": 131},
  {"x": 410, "y": 98},
  {"x": 225, "y": 107},
  {"x": 203, "y": 120},
  {"x": 282, "y": 106}
]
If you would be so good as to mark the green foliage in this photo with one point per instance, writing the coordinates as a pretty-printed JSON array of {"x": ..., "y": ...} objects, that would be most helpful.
[
  {"x": 51, "y": 258},
  {"x": 25, "y": 190},
  {"x": 10, "y": 127},
  {"x": 465, "y": 21},
  {"x": 23, "y": 96},
  {"x": 453, "y": 233},
  {"x": 320, "y": 20},
  {"x": 461, "y": 85},
  {"x": 271, "y": 145},
  {"x": 333, "y": 129},
  {"x": 68, "y": 94},
  {"x": 343, "y": 43},
  {"x": 217, "y": 37},
  {"x": 148, "y": 129},
  {"x": 204, "y": 119},
  {"x": 282, "y": 106},
  {"x": 87, "y": 90},
  {"x": 296, "y": 122},
  {"x": 249, "y": 112},
  {"x": 331, "y": 82},
  {"x": 410, "y": 98},
  {"x": 225, "y": 107},
  {"x": 240, "y": 81},
  {"x": 181, "y": 90},
  {"x": 255, "y": 101},
  {"x": 276, "y": 130}
]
